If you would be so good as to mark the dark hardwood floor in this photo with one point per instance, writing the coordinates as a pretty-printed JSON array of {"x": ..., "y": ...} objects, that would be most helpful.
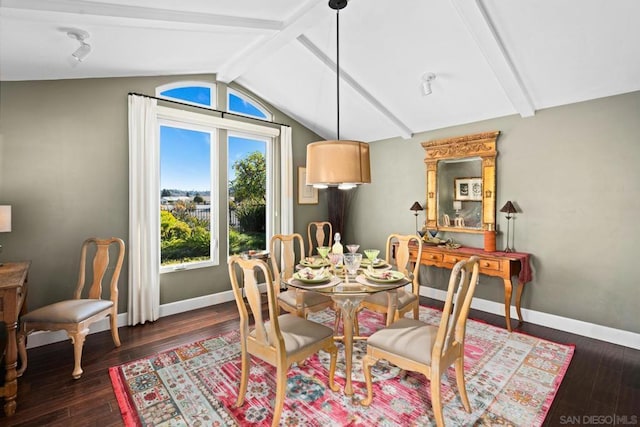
[{"x": 603, "y": 379}]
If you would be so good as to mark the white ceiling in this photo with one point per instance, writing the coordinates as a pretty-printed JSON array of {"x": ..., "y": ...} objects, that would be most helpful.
[{"x": 491, "y": 57}]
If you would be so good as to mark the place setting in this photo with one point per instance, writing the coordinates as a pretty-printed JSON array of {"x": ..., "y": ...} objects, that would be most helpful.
[{"x": 315, "y": 278}]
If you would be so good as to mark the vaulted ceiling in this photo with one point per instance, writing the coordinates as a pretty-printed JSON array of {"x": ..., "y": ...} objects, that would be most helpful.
[{"x": 491, "y": 58}]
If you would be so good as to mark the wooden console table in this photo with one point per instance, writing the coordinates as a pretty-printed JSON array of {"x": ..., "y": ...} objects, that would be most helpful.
[
  {"x": 497, "y": 264},
  {"x": 13, "y": 291}
]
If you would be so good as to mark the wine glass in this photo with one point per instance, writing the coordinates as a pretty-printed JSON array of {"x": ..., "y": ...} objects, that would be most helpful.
[
  {"x": 371, "y": 254},
  {"x": 352, "y": 263},
  {"x": 353, "y": 248},
  {"x": 335, "y": 259},
  {"x": 323, "y": 251}
]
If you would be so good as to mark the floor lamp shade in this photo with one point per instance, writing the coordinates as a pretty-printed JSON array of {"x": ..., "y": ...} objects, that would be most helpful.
[{"x": 333, "y": 163}]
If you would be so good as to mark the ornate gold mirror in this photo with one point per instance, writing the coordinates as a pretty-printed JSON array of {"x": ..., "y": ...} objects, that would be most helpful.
[{"x": 461, "y": 183}]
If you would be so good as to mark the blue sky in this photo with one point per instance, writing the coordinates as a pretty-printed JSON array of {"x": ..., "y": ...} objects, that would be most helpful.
[{"x": 184, "y": 157}]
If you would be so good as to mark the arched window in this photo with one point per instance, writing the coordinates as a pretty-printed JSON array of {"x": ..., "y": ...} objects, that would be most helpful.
[
  {"x": 196, "y": 93},
  {"x": 239, "y": 103},
  {"x": 191, "y": 154}
]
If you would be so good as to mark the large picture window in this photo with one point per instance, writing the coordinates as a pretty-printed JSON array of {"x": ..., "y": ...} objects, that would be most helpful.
[{"x": 189, "y": 164}]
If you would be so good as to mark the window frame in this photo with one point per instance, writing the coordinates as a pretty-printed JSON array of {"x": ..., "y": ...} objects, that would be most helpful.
[
  {"x": 167, "y": 118},
  {"x": 234, "y": 127}
]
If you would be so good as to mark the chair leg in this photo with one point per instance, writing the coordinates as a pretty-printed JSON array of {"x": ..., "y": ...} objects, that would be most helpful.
[
  {"x": 333, "y": 352},
  {"x": 356, "y": 324},
  {"x": 462, "y": 389},
  {"x": 336, "y": 322},
  {"x": 281, "y": 388},
  {"x": 416, "y": 311},
  {"x": 436, "y": 401},
  {"x": 77, "y": 338},
  {"x": 114, "y": 329},
  {"x": 244, "y": 378},
  {"x": 22, "y": 353},
  {"x": 367, "y": 362}
]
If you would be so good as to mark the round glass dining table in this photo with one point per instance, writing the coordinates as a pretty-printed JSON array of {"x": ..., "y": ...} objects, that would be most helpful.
[{"x": 348, "y": 294}]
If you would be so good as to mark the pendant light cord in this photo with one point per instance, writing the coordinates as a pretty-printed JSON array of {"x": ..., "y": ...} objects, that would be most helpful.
[{"x": 338, "y": 73}]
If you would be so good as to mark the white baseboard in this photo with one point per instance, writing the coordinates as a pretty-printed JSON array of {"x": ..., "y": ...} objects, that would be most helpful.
[{"x": 591, "y": 330}]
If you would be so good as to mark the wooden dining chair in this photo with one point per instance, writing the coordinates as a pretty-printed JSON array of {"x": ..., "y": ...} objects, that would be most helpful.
[
  {"x": 280, "y": 340},
  {"x": 286, "y": 252},
  {"x": 76, "y": 315},
  {"x": 413, "y": 345},
  {"x": 320, "y": 233},
  {"x": 407, "y": 301}
]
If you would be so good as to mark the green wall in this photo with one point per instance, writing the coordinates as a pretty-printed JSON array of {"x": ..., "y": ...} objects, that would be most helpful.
[
  {"x": 64, "y": 170},
  {"x": 573, "y": 171}
]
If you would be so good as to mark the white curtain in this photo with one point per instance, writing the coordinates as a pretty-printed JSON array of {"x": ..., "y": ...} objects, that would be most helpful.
[
  {"x": 144, "y": 215},
  {"x": 286, "y": 168}
]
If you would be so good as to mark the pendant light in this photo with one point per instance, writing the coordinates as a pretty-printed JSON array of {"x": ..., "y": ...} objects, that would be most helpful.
[{"x": 340, "y": 163}]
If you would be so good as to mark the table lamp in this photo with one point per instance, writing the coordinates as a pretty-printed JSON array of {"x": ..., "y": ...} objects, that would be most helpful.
[
  {"x": 5, "y": 221},
  {"x": 509, "y": 209},
  {"x": 416, "y": 207}
]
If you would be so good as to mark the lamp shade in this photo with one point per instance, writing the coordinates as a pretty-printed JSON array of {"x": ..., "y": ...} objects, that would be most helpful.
[
  {"x": 5, "y": 219},
  {"x": 416, "y": 207},
  {"x": 332, "y": 163},
  {"x": 508, "y": 208}
]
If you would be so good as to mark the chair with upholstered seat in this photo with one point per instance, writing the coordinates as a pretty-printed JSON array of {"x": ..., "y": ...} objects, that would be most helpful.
[
  {"x": 416, "y": 346},
  {"x": 407, "y": 301},
  {"x": 282, "y": 339},
  {"x": 76, "y": 315},
  {"x": 320, "y": 233},
  {"x": 286, "y": 251}
]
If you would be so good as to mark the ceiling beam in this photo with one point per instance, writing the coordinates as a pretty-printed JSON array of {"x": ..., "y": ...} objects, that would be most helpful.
[
  {"x": 88, "y": 8},
  {"x": 402, "y": 129},
  {"x": 309, "y": 14},
  {"x": 475, "y": 16}
]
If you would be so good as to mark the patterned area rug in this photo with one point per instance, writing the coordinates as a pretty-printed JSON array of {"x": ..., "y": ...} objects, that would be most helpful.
[{"x": 512, "y": 379}]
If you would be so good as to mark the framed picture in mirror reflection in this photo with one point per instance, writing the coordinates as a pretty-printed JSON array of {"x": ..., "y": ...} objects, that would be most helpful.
[{"x": 468, "y": 189}]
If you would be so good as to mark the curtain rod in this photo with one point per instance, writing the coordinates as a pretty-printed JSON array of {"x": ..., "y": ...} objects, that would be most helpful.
[{"x": 222, "y": 113}]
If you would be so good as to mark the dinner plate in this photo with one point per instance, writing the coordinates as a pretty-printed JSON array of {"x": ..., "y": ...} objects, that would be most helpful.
[
  {"x": 386, "y": 276},
  {"x": 321, "y": 285},
  {"x": 304, "y": 278},
  {"x": 314, "y": 262}
]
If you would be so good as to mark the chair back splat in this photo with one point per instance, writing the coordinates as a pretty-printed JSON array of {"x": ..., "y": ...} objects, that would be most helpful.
[{"x": 320, "y": 233}]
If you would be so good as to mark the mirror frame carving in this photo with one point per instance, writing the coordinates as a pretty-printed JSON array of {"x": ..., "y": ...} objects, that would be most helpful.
[{"x": 482, "y": 145}]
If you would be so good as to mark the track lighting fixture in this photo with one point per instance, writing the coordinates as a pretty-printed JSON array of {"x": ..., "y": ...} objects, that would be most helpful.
[
  {"x": 427, "y": 78},
  {"x": 85, "y": 48}
]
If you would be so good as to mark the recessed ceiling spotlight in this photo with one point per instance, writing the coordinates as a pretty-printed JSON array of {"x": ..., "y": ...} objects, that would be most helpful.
[
  {"x": 427, "y": 78},
  {"x": 85, "y": 48}
]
